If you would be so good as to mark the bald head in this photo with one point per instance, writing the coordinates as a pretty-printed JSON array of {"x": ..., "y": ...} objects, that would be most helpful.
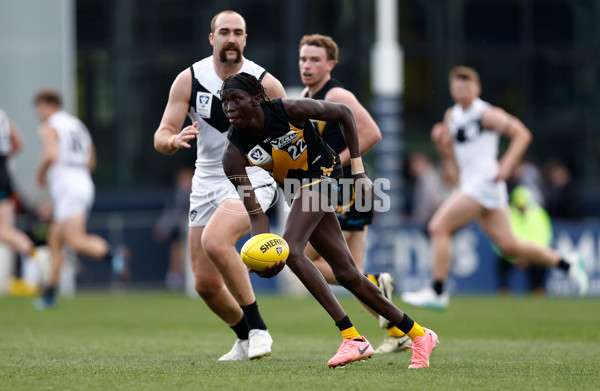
[{"x": 218, "y": 18}]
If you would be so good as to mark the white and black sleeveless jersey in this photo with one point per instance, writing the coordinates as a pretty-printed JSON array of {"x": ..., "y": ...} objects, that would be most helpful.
[
  {"x": 74, "y": 146},
  {"x": 476, "y": 149},
  {"x": 205, "y": 107},
  {"x": 5, "y": 142}
]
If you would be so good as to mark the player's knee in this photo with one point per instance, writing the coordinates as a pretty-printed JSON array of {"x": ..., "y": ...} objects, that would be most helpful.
[
  {"x": 206, "y": 288},
  {"x": 347, "y": 277},
  {"x": 435, "y": 228},
  {"x": 212, "y": 247},
  {"x": 509, "y": 248}
]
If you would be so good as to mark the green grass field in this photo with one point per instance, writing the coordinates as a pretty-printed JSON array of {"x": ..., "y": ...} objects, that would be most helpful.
[{"x": 159, "y": 341}]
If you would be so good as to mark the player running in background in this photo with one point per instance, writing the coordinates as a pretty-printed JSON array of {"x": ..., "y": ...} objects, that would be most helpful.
[
  {"x": 68, "y": 158},
  {"x": 11, "y": 143},
  {"x": 277, "y": 135},
  {"x": 217, "y": 218},
  {"x": 318, "y": 57},
  {"x": 474, "y": 127}
]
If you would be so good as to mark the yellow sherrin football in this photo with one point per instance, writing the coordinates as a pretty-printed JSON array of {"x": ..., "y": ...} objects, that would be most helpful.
[{"x": 263, "y": 250}]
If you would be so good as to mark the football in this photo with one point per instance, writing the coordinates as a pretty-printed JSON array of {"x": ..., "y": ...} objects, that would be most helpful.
[{"x": 263, "y": 250}]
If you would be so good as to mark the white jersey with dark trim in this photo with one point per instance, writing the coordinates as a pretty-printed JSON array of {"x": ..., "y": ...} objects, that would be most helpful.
[
  {"x": 205, "y": 107},
  {"x": 476, "y": 149},
  {"x": 5, "y": 142},
  {"x": 74, "y": 147}
]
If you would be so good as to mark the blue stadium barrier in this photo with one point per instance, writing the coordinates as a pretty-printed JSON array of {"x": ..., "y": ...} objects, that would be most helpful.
[{"x": 406, "y": 254}]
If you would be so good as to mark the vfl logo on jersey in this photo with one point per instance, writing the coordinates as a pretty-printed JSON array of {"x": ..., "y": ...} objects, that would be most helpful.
[
  {"x": 468, "y": 131},
  {"x": 203, "y": 104},
  {"x": 259, "y": 157},
  {"x": 284, "y": 140}
]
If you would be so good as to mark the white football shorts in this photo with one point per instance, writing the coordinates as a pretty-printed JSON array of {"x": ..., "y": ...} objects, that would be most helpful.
[
  {"x": 72, "y": 196},
  {"x": 210, "y": 190},
  {"x": 488, "y": 193}
]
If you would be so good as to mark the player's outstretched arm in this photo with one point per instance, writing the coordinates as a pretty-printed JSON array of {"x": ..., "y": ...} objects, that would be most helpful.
[
  {"x": 367, "y": 129},
  {"x": 520, "y": 137},
  {"x": 234, "y": 166},
  {"x": 300, "y": 110},
  {"x": 168, "y": 138}
]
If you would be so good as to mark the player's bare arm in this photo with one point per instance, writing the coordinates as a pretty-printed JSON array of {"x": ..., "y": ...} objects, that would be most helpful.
[
  {"x": 16, "y": 139},
  {"x": 442, "y": 140},
  {"x": 273, "y": 87},
  {"x": 49, "y": 139},
  {"x": 368, "y": 131},
  {"x": 168, "y": 138},
  {"x": 520, "y": 137},
  {"x": 92, "y": 161},
  {"x": 300, "y": 110},
  {"x": 234, "y": 166}
]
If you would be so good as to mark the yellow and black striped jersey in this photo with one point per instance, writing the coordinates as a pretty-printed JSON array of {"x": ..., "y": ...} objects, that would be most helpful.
[{"x": 284, "y": 149}]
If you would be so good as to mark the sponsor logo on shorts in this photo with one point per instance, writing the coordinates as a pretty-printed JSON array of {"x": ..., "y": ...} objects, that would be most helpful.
[{"x": 193, "y": 214}]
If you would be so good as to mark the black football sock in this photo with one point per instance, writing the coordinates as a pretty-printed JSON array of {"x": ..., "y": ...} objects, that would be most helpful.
[
  {"x": 241, "y": 328},
  {"x": 252, "y": 315},
  {"x": 109, "y": 255},
  {"x": 49, "y": 292},
  {"x": 563, "y": 265},
  {"x": 438, "y": 287},
  {"x": 347, "y": 329}
]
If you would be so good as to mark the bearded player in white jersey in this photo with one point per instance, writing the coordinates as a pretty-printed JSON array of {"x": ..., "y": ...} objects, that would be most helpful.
[
  {"x": 68, "y": 158},
  {"x": 467, "y": 140},
  {"x": 218, "y": 219}
]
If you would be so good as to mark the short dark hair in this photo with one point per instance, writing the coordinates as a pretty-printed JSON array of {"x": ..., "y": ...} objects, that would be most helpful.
[
  {"x": 48, "y": 96},
  {"x": 213, "y": 22},
  {"x": 322, "y": 41}
]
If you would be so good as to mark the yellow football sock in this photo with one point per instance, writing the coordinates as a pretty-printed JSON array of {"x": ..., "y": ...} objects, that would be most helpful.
[
  {"x": 395, "y": 332},
  {"x": 372, "y": 278},
  {"x": 350, "y": 333},
  {"x": 416, "y": 331}
]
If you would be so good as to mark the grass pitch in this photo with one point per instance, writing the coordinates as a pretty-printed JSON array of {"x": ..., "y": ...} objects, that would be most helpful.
[{"x": 160, "y": 341}]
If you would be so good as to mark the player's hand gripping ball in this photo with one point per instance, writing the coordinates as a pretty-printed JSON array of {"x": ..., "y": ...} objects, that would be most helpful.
[{"x": 264, "y": 250}]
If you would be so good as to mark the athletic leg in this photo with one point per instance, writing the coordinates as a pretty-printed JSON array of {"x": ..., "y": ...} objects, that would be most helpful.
[
  {"x": 496, "y": 225},
  {"x": 227, "y": 225},
  {"x": 55, "y": 242},
  {"x": 209, "y": 283},
  {"x": 328, "y": 240},
  {"x": 299, "y": 227},
  {"x": 74, "y": 233},
  {"x": 455, "y": 212},
  {"x": 15, "y": 238}
]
